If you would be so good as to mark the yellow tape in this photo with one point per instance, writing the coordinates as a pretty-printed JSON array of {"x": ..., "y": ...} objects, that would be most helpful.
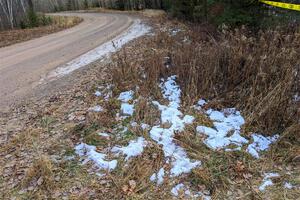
[{"x": 289, "y": 6}]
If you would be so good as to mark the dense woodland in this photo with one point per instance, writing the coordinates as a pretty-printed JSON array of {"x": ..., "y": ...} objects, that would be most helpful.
[{"x": 13, "y": 13}]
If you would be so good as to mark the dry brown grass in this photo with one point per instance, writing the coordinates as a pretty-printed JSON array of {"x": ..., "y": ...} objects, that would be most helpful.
[
  {"x": 154, "y": 13},
  {"x": 40, "y": 174},
  {"x": 223, "y": 69},
  {"x": 257, "y": 74},
  {"x": 59, "y": 23}
]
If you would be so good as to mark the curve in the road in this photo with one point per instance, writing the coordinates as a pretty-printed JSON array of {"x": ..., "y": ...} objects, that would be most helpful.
[{"x": 22, "y": 65}]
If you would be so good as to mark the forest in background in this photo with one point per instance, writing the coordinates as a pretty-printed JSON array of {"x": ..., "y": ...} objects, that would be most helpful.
[{"x": 14, "y": 13}]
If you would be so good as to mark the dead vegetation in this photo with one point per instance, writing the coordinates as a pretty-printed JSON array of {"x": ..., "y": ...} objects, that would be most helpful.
[
  {"x": 233, "y": 69},
  {"x": 58, "y": 23},
  {"x": 259, "y": 74}
]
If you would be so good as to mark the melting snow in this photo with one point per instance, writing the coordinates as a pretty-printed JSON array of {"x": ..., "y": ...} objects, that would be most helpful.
[
  {"x": 296, "y": 97},
  {"x": 145, "y": 126},
  {"x": 136, "y": 30},
  {"x": 164, "y": 136},
  {"x": 175, "y": 190},
  {"x": 267, "y": 180},
  {"x": 226, "y": 131},
  {"x": 159, "y": 176},
  {"x": 135, "y": 148},
  {"x": 288, "y": 185},
  {"x": 103, "y": 134},
  {"x": 98, "y": 94},
  {"x": 260, "y": 143},
  {"x": 96, "y": 109},
  {"x": 126, "y": 96},
  {"x": 182, "y": 188},
  {"x": 91, "y": 154},
  {"x": 127, "y": 109}
]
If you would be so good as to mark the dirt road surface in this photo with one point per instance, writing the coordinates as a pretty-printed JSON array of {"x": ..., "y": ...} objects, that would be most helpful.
[{"x": 23, "y": 65}]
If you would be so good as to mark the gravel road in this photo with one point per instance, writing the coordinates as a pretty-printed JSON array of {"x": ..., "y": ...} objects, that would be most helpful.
[{"x": 23, "y": 65}]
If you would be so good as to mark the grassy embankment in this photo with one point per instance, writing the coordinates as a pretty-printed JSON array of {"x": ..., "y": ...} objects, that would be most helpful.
[{"x": 256, "y": 73}]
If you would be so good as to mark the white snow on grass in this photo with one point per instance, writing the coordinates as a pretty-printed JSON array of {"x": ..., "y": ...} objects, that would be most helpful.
[
  {"x": 136, "y": 30},
  {"x": 182, "y": 189},
  {"x": 135, "y": 148},
  {"x": 96, "y": 109},
  {"x": 106, "y": 135},
  {"x": 127, "y": 109},
  {"x": 260, "y": 143},
  {"x": 288, "y": 185},
  {"x": 175, "y": 154},
  {"x": 226, "y": 131},
  {"x": 267, "y": 181},
  {"x": 175, "y": 190},
  {"x": 98, "y": 94},
  {"x": 145, "y": 126},
  {"x": 126, "y": 96},
  {"x": 296, "y": 97},
  {"x": 158, "y": 177},
  {"x": 90, "y": 154}
]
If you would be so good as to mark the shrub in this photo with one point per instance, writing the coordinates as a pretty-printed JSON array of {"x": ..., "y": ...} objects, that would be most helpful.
[{"x": 33, "y": 20}]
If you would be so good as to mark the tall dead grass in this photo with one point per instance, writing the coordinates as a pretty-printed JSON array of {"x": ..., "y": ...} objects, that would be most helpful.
[{"x": 257, "y": 73}]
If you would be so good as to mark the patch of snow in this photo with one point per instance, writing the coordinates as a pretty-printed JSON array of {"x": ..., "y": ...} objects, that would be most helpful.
[
  {"x": 90, "y": 154},
  {"x": 136, "y": 30},
  {"x": 164, "y": 136},
  {"x": 145, "y": 126},
  {"x": 181, "y": 188},
  {"x": 135, "y": 148},
  {"x": 174, "y": 31},
  {"x": 265, "y": 184},
  {"x": 175, "y": 190},
  {"x": 267, "y": 180},
  {"x": 96, "y": 109},
  {"x": 201, "y": 102},
  {"x": 104, "y": 135},
  {"x": 296, "y": 97},
  {"x": 126, "y": 96},
  {"x": 226, "y": 131},
  {"x": 98, "y": 94},
  {"x": 287, "y": 185},
  {"x": 159, "y": 176},
  {"x": 134, "y": 124},
  {"x": 120, "y": 118},
  {"x": 127, "y": 109},
  {"x": 260, "y": 143}
]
